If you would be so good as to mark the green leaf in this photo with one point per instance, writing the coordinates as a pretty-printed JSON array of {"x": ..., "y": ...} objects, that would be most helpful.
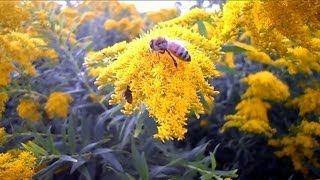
[
  {"x": 51, "y": 144},
  {"x": 71, "y": 135},
  {"x": 233, "y": 48},
  {"x": 139, "y": 162},
  {"x": 202, "y": 29},
  {"x": 213, "y": 161},
  {"x": 35, "y": 149}
]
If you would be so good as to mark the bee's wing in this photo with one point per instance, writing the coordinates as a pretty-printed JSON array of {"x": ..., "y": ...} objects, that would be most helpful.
[{"x": 179, "y": 42}]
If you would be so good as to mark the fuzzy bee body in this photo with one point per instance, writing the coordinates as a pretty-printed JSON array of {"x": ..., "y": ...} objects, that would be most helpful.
[{"x": 163, "y": 45}]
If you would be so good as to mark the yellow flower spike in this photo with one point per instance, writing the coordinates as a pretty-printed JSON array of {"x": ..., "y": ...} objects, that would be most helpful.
[
  {"x": 16, "y": 47},
  {"x": 300, "y": 146},
  {"x": 17, "y": 165},
  {"x": 5, "y": 69},
  {"x": 251, "y": 117},
  {"x": 259, "y": 82},
  {"x": 12, "y": 16},
  {"x": 309, "y": 102},
  {"x": 169, "y": 93},
  {"x": 3, "y": 100},
  {"x": 58, "y": 105},
  {"x": 162, "y": 15},
  {"x": 3, "y": 137},
  {"x": 29, "y": 109}
]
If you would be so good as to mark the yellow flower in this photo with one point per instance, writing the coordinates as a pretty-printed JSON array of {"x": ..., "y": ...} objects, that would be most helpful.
[
  {"x": 2, "y": 136},
  {"x": 5, "y": 69},
  {"x": 310, "y": 128},
  {"x": 58, "y": 104},
  {"x": 169, "y": 93},
  {"x": 29, "y": 109},
  {"x": 301, "y": 146},
  {"x": 22, "y": 49},
  {"x": 110, "y": 24},
  {"x": 251, "y": 117},
  {"x": 97, "y": 61},
  {"x": 309, "y": 102},
  {"x": 162, "y": 15},
  {"x": 17, "y": 165},
  {"x": 3, "y": 100},
  {"x": 266, "y": 86},
  {"x": 12, "y": 16}
]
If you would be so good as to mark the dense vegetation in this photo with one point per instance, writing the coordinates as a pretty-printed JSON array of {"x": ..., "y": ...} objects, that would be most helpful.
[{"x": 246, "y": 105}]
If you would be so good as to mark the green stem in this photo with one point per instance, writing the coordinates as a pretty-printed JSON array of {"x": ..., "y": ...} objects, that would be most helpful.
[{"x": 27, "y": 91}]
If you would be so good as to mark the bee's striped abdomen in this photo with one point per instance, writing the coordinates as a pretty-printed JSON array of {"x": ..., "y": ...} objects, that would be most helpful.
[{"x": 179, "y": 51}]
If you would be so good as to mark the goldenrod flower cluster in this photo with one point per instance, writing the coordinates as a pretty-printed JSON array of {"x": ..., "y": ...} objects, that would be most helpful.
[
  {"x": 17, "y": 164},
  {"x": 3, "y": 100},
  {"x": 29, "y": 109},
  {"x": 58, "y": 104},
  {"x": 11, "y": 15},
  {"x": 97, "y": 61},
  {"x": 162, "y": 15},
  {"x": 131, "y": 27},
  {"x": 301, "y": 146},
  {"x": 124, "y": 18},
  {"x": 309, "y": 102},
  {"x": 251, "y": 115},
  {"x": 287, "y": 30},
  {"x": 22, "y": 49},
  {"x": 19, "y": 49},
  {"x": 169, "y": 93},
  {"x": 3, "y": 137},
  {"x": 266, "y": 86}
]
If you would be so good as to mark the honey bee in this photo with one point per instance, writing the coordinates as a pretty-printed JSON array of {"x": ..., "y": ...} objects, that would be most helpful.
[
  {"x": 128, "y": 95},
  {"x": 163, "y": 45}
]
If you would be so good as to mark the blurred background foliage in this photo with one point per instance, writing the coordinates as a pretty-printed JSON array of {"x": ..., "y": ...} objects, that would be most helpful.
[{"x": 64, "y": 70}]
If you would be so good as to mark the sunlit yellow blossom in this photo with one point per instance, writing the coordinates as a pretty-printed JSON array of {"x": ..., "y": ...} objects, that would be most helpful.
[
  {"x": 125, "y": 25},
  {"x": 310, "y": 128},
  {"x": 2, "y": 136},
  {"x": 97, "y": 61},
  {"x": 3, "y": 100},
  {"x": 42, "y": 17},
  {"x": 12, "y": 15},
  {"x": 301, "y": 60},
  {"x": 266, "y": 86},
  {"x": 17, "y": 47},
  {"x": 17, "y": 165},
  {"x": 282, "y": 30},
  {"x": 189, "y": 19},
  {"x": 169, "y": 93},
  {"x": 5, "y": 69},
  {"x": 162, "y": 15},
  {"x": 58, "y": 104},
  {"x": 301, "y": 146},
  {"x": 29, "y": 109},
  {"x": 309, "y": 102},
  {"x": 251, "y": 117}
]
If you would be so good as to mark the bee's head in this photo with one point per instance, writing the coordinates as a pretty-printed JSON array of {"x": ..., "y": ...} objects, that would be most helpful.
[{"x": 159, "y": 43}]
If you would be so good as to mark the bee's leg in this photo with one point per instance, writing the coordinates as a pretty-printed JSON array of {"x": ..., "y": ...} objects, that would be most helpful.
[{"x": 174, "y": 60}]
